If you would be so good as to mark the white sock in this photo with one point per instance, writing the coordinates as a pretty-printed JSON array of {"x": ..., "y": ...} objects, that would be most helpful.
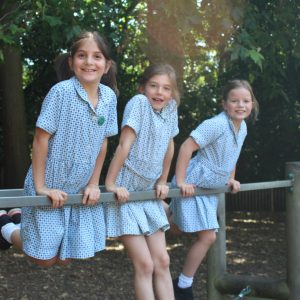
[
  {"x": 7, "y": 231},
  {"x": 184, "y": 281}
]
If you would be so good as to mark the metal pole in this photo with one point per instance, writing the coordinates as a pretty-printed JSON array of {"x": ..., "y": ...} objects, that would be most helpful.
[
  {"x": 217, "y": 254},
  {"x": 293, "y": 230}
]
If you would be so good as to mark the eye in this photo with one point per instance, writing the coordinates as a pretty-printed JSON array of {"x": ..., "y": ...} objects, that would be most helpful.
[
  {"x": 80, "y": 55},
  {"x": 99, "y": 56},
  {"x": 232, "y": 100}
]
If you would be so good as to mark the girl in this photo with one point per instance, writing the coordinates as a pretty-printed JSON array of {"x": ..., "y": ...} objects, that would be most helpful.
[
  {"x": 141, "y": 162},
  {"x": 69, "y": 147},
  {"x": 218, "y": 143}
]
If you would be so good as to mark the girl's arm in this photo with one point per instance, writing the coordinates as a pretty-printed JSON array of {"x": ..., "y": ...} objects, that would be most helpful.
[
  {"x": 233, "y": 184},
  {"x": 162, "y": 189},
  {"x": 127, "y": 138},
  {"x": 39, "y": 158},
  {"x": 185, "y": 153},
  {"x": 92, "y": 192}
]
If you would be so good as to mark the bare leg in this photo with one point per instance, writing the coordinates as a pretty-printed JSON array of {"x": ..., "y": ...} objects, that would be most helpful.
[
  {"x": 162, "y": 277},
  {"x": 140, "y": 255},
  {"x": 16, "y": 239},
  {"x": 17, "y": 242},
  {"x": 198, "y": 251}
]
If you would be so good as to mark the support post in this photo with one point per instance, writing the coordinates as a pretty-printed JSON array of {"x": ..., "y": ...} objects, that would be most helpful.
[
  {"x": 217, "y": 254},
  {"x": 293, "y": 230}
]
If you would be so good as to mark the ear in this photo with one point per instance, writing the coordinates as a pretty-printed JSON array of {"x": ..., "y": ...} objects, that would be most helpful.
[
  {"x": 224, "y": 105},
  {"x": 141, "y": 89},
  {"x": 107, "y": 66},
  {"x": 70, "y": 63}
]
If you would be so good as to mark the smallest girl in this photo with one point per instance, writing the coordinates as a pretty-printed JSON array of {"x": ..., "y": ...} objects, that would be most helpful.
[
  {"x": 218, "y": 142},
  {"x": 141, "y": 162}
]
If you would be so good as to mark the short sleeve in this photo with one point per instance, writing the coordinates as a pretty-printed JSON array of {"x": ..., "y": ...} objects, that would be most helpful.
[
  {"x": 207, "y": 132},
  {"x": 134, "y": 111},
  {"x": 112, "y": 124},
  {"x": 48, "y": 119}
]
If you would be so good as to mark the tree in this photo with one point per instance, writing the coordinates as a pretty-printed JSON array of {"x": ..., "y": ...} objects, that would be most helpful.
[{"x": 15, "y": 151}]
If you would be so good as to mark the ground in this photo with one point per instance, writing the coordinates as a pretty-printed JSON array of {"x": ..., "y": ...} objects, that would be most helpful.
[{"x": 255, "y": 246}]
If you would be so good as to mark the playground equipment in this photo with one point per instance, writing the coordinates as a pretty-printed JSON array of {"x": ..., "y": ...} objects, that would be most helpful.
[{"x": 221, "y": 285}]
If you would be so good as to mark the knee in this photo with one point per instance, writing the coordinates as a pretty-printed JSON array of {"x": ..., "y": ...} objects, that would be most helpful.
[
  {"x": 208, "y": 237},
  {"x": 43, "y": 263},
  {"x": 144, "y": 267},
  {"x": 162, "y": 262}
]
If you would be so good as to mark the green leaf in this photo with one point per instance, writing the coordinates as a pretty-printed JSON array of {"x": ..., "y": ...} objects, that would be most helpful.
[
  {"x": 256, "y": 57},
  {"x": 52, "y": 21}
]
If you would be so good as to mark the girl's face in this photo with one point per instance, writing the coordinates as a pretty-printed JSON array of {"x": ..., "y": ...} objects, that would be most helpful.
[
  {"x": 88, "y": 63},
  {"x": 158, "y": 90},
  {"x": 238, "y": 105}
]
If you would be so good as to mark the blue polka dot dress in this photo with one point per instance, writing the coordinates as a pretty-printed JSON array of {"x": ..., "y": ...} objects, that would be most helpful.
[
  {"x": 77, "y": 133},
  {"x": 142, "y": 168},
  {"x": 220, "y": 147}
]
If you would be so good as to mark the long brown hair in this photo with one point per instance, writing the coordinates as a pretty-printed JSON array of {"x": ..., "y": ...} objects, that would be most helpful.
[
  {"x": 239, "y": 83},
  {"x": 64, "y": 72}
]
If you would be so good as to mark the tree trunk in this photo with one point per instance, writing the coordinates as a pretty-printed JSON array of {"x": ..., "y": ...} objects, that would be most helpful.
[
  {"x": 15, "y": 145},
  {"x": 164, "y": 38}
]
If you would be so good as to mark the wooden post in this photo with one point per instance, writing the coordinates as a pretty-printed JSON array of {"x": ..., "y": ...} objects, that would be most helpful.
[
  {"x": 293, "y": 230},
  {"x": 217, "y": 254}
]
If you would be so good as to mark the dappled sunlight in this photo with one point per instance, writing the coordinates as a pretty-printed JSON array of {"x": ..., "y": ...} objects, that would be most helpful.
[
  {"x": 249, "y": 238},
  {"x": 18, "y": 255},
  {"x": 253, "y": 221},
  {"x": 239, "y": 260},
  {"x": 174, "y": 246},
  {"x": 114, "y": 244},
  {"x": 117, "y": 247}
]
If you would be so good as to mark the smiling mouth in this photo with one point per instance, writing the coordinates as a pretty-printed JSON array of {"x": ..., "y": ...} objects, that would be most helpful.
[
  {"x": 157, "y": 100},
  {"x": 88, "y": 71}
]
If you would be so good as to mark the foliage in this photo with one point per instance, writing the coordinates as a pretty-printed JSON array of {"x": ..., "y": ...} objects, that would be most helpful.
[
  {"x": 208, "y": 42},
  {"x": 270, "y": 32}
]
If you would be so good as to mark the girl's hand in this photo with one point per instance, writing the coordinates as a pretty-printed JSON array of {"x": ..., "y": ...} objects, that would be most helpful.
[
  {"x": 187, "y": 189},
  {"x": 162, "y": 190},
  {"x": 91, "y": 194},
  {"x": 122, "y": 194},
  {"x": 234, "y": 185},
  {"x": 57, "y": 197}
]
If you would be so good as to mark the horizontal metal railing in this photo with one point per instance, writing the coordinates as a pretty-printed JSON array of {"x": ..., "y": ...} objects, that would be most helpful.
[{"x": 15, "y": 197}]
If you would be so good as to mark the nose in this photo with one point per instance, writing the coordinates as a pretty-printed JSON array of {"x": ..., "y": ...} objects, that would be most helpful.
[
  {"x": 241, "y": 103},
  {"x": 88, "y": 60},
  {"x": 159, "y": 89}
]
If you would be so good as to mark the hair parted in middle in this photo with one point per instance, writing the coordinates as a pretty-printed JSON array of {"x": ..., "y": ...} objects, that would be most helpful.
[{"x": 161, "y": 69}]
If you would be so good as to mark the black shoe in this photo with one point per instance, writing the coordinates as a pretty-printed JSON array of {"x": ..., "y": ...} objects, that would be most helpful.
[
  {"x": 182, "y": 294},
  {"x": 4, "y": 219},
  {"x": 15, "y": 215}
]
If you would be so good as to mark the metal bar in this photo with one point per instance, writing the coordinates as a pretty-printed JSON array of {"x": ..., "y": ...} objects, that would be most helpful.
[{"x": 14, "y": 198}]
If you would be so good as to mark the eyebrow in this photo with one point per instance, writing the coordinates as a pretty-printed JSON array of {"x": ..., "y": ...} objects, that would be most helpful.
[
  {"x": 150, "y": 81},
  {"x": 81, "y": 50}
]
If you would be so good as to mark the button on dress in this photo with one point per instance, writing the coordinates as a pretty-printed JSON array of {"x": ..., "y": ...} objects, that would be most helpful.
[
  {"x": 220, "y": 147},
  {"x": 142, "y": 168},
  {"x": 77, "y": 136}
]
